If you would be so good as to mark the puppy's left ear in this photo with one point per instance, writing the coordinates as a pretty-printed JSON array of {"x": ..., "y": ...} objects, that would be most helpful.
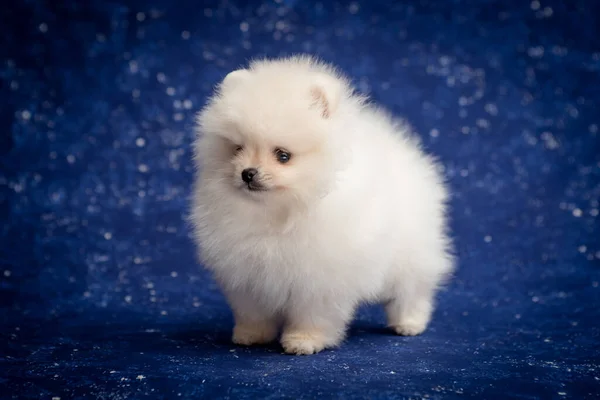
[
  {"x": 235, "y": 77},
  {"x": 326, "y": 94}
]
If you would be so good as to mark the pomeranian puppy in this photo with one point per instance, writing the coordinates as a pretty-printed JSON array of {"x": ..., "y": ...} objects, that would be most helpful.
[{"x": 309, "y": 201}]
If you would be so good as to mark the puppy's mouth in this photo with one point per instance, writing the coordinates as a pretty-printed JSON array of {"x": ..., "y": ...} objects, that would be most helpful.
[{"x": 254, "y": 187}]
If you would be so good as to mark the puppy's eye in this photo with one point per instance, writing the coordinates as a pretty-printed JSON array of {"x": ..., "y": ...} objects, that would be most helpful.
[
  {"x": 237, "y": 149},
  {"x": 282, "y": 156}
]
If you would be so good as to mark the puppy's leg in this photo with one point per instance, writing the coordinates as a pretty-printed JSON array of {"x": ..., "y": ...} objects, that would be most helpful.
[
  {"x": 413, "y": 288},
  {"x": 252, "y": 324},
  {"x": 313, "y": 327},
  {"x": 410, "y": 311}
]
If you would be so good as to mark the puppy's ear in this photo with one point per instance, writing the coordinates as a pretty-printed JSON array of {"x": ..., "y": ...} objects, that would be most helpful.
[
  {"x": 326, "y": 94},
  {"x": 234, "y": 78}
]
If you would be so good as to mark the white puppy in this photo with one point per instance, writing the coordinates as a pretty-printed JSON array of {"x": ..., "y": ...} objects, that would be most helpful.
[{"x": 309, "y": 202}]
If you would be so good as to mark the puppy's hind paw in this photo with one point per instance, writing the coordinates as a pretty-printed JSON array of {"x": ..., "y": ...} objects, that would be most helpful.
[{"x": 410, "y": 328}]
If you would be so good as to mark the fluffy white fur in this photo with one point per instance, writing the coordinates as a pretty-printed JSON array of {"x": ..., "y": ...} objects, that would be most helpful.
[{"x": 356, "y": 215}]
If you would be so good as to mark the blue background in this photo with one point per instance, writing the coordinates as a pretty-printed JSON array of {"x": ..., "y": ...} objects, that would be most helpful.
[{"x": 100, "y": 294}]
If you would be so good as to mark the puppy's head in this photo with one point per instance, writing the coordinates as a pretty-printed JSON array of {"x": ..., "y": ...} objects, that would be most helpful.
[{"x": 268, "y": 133}]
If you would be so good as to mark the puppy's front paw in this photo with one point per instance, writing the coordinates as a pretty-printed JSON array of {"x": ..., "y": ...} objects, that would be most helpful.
[
  {"x": 302, "y": 343},
  {"x": 247, "y": 334},
  {"x": 410, "y": 328}
]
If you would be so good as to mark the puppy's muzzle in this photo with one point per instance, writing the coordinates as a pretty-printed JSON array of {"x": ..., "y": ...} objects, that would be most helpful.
[
  {"x": 251, "y": 179},
  {"x": 248, "y": 175}
]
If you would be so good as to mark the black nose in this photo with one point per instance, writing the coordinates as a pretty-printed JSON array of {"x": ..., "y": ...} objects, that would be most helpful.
[{"x": 248, "y": 174}]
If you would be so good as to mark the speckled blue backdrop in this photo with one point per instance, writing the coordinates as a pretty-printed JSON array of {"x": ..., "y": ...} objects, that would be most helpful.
[{"x": 100, "y": 294}]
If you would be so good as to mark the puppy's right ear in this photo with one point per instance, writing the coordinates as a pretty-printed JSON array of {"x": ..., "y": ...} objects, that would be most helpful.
[
  {"x": 326, "y": 94},
  {"x": 235, "y": 77}
]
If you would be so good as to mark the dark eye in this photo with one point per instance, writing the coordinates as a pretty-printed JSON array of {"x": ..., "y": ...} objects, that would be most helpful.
[
  {"x": 237, "y": 149},
  {"x": 282, "y": 156}
]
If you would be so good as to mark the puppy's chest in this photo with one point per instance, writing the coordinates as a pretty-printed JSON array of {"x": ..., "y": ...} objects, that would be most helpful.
[
  {"x": 261, "y": 249},
  {"x": 268, "y": 250}
]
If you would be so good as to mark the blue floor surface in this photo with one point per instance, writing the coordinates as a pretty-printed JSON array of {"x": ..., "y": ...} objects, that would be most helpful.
[{"x": 100, "y": 293}]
